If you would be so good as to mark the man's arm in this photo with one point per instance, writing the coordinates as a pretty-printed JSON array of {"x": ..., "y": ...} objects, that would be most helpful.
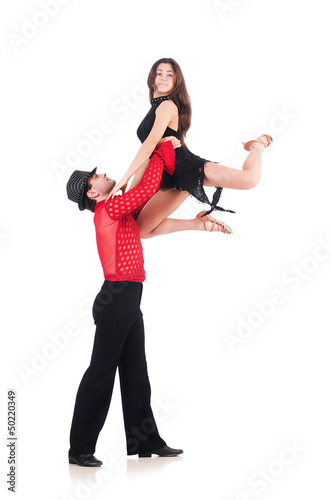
[{"x": 122, "y": 205}]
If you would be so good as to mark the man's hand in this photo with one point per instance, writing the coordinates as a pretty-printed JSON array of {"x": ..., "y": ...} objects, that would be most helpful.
[
  {"x": 121, "y": 185},
  {"x": 175, "y": 142}
]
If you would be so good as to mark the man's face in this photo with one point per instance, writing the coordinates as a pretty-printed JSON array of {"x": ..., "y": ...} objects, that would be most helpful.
[{"x": 101, "y": 184}]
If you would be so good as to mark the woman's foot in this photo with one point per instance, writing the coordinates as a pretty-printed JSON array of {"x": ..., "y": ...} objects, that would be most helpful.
[
  {"x": 211, "y": 224},
  {"x": 264, "y": 139}
]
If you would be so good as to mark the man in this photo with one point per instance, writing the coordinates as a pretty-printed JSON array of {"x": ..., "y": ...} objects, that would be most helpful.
[{"x": 119, "y": 336}]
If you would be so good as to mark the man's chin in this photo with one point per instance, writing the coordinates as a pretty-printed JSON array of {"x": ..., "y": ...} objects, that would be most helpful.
[{"x": 112, "y": 184}]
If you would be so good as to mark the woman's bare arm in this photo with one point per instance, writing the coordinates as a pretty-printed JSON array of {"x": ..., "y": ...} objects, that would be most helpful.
[{"x": 139, "y": 174}]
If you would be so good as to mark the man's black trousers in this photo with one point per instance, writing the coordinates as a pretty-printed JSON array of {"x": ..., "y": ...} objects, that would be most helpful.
[{"x": 119, "y": 342}]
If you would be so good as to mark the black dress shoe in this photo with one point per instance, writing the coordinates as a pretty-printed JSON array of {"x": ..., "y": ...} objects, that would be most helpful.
[
  {"x": 85, "y": 460},
  {"x": 162, "y": 452}
]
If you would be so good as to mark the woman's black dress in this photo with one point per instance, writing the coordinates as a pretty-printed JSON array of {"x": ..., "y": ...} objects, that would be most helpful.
[{"x": 189, "y": 168}]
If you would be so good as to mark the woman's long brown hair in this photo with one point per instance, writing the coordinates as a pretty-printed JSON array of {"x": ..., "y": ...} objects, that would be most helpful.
[{"x": 178, "y": 95}]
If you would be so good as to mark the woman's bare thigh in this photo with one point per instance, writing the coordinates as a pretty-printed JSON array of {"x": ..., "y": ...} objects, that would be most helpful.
[
  {"x": 159, "y": 208},
  {"x": 217, "y": 175}
]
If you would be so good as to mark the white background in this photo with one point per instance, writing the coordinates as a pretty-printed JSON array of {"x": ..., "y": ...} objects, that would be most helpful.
[{"x": 251, "y": 66}]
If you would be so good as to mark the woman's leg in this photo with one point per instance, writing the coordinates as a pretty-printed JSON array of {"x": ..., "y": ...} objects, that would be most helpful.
[
  {"x": 153, "y": 219},
  {"x": 157, "y": 210},
  {"x": 220, "y": 176}
]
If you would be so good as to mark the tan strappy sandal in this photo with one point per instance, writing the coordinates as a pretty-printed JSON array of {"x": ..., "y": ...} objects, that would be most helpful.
[
  {"x": 221, "y": 226},
  {"x": 264, "y": 139}
]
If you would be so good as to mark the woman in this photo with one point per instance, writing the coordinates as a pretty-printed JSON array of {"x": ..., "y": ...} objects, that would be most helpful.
[{"x": 170, "y": 115}]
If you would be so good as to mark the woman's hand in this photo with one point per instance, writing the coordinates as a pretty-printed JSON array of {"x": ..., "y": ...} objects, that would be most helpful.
[
  {"x": 121, "y": 185},
  {"x": 175, "y": 142}
]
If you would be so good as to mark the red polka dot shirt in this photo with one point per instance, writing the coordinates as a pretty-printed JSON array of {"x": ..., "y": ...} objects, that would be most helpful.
[{"x": 117, "y": 233}]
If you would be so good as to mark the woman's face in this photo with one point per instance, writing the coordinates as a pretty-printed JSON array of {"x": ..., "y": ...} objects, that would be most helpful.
[{"x": 165, "y": 80}]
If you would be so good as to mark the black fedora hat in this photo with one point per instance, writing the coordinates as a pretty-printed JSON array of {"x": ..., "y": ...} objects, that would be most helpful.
[{"x": 76, "y": 186}]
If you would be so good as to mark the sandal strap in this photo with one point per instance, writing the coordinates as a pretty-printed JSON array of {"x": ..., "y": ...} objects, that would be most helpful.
[
  {"x": 259, "y": 139},
  {"x": 220, "y": 225},
  {"x": 268, "y": 139},
  {"x": 217, "y": 222}
]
